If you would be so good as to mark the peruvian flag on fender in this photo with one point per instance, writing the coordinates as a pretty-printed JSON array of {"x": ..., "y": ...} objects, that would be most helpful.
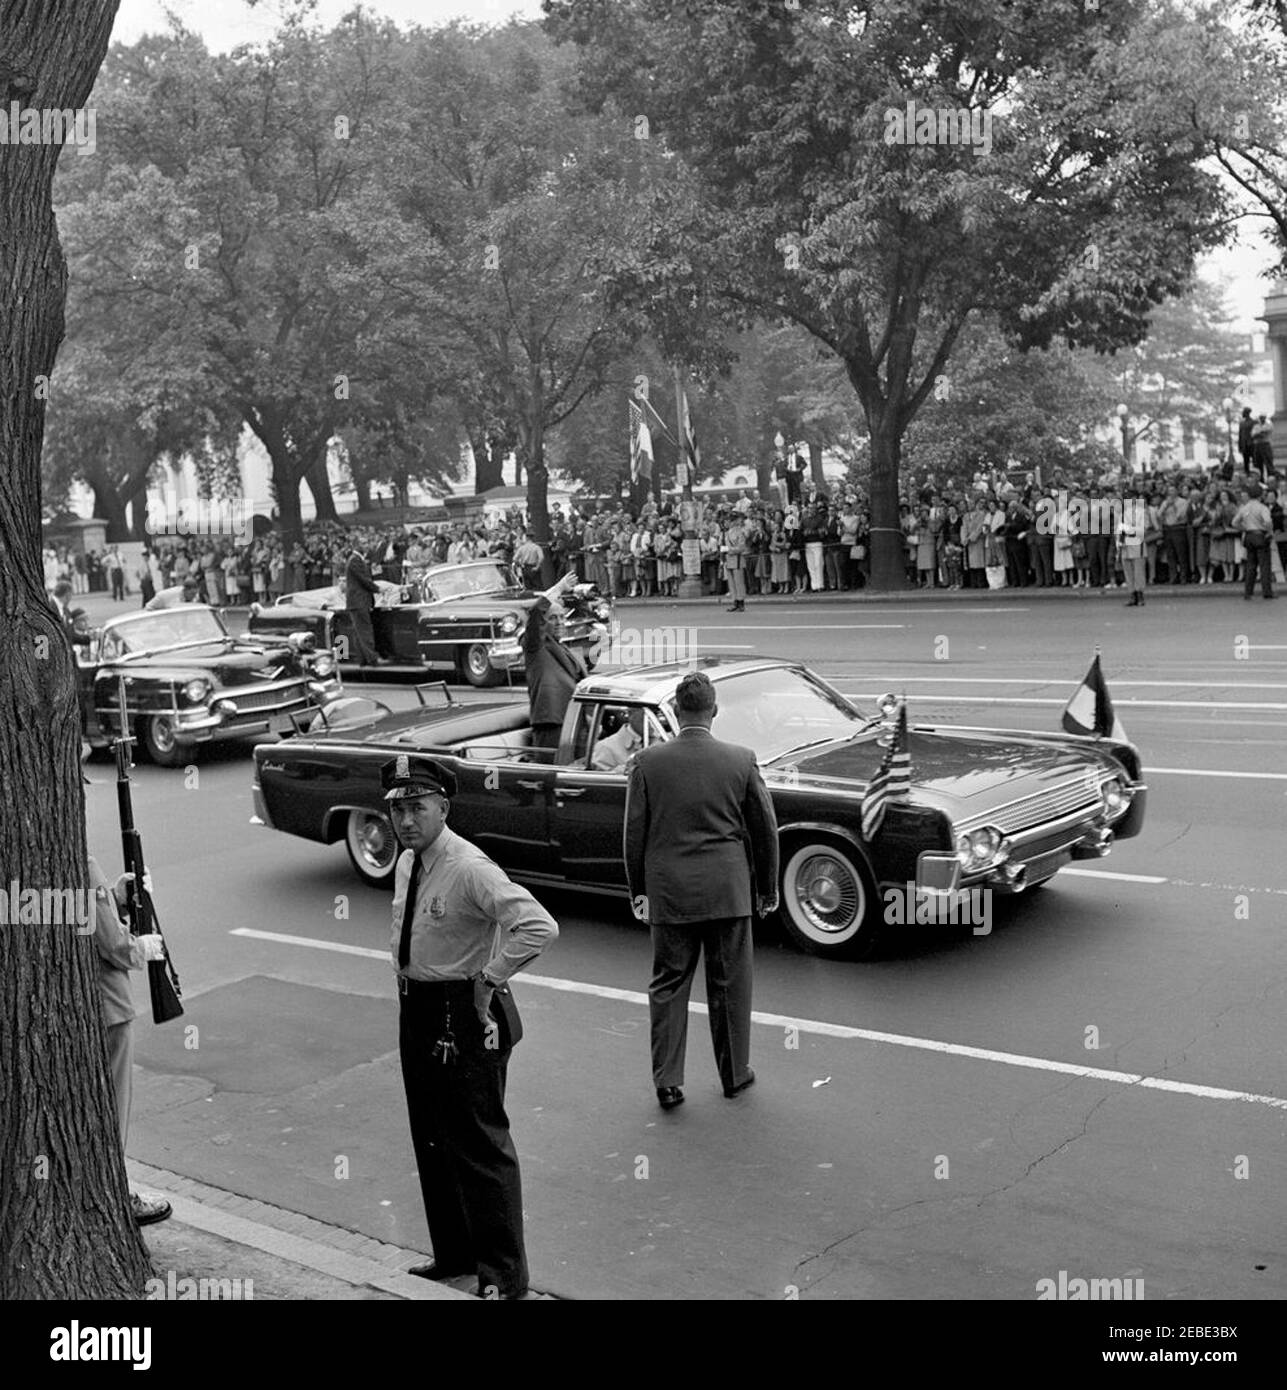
[{"x": 1090, "y": 711}]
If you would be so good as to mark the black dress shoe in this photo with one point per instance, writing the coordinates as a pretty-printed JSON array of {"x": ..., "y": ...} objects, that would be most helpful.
[
  {"x": 737, "y": 1090},
  {"x": 669, "y": 1096},
  {"x": 432, "y": 1270}
]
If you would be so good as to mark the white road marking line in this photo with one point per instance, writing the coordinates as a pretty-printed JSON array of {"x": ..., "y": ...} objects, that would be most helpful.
[
  {"x": 838, "y": 1030},
  {"x": 1218, "y": 772},
  {"x": 795, "y": 627},
  {"x": 1123, "y": 878},
  {"x": 1117, "y": 704},
  {"x": 1057, "y": 680}
]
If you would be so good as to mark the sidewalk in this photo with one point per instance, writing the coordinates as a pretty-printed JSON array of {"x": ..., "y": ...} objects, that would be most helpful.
[{"x": 269, "y": 1252}]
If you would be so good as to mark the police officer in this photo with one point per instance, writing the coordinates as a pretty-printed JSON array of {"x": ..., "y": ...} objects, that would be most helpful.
[{"x": 460, "y": 930}]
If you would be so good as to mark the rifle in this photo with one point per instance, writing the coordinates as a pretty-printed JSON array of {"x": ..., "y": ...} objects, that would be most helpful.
[{"x": 163, "y": 980}]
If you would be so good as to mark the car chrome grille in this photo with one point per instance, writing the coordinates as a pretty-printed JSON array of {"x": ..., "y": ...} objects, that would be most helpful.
[
  {"x": 276, "y": 697},
  {"x": 1043, "y": 807}
]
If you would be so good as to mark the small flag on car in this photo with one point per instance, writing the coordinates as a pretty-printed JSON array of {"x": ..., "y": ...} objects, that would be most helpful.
[
  {"x": 893, "y": 780},
  {"x": 1090, "y": 711}
]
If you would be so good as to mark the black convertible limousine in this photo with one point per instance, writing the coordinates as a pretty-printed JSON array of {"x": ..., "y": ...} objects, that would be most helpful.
[{"x": 988, "y": 808}]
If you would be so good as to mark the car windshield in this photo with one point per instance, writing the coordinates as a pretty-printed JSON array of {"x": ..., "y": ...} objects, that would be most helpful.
[
  {"x": 167, "y": 629},
  {"x": 778, "y": 710},
  {"x": 464, "y": 581}
]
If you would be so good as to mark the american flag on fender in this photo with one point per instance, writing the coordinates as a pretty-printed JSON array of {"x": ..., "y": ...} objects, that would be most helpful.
[{"x": 893, "y": 780}]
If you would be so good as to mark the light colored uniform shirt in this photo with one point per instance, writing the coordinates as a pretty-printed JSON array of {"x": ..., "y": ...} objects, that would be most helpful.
[
  {"x": 1253, "y": 516},
  {"x": 118, "y": 951},
  {"x": 469, "y": 916}
]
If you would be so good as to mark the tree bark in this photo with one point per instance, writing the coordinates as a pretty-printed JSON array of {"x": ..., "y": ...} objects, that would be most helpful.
[
  {"x": 319, "y": 484},
  {"x": 66, "y": 1228},
  {"x": 815, "y": 469},
  {"x": 888, "y": 557},
  {"x": 487, "y": 462}
]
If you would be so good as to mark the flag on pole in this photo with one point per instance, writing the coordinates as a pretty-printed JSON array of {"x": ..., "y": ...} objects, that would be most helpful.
[
  {"x": 893, "y": 780},
  {"x": 690, "y": 457},
  {"x": 1090, "y": 711},
  {"x": 640, "y": 446}
]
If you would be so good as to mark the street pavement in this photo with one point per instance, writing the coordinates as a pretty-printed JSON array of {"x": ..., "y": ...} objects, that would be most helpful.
[{"x": 1095, "y": 1087}]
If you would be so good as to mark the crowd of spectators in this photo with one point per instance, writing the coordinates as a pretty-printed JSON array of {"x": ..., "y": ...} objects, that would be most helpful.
[{"x": 992, "y": 531}]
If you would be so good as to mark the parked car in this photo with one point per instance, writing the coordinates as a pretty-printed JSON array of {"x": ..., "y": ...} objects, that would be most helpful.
[
  {"x": 187, "y": 682},
  {"x": 988, "y": 808},
  {"x": 467, "y": 616}
]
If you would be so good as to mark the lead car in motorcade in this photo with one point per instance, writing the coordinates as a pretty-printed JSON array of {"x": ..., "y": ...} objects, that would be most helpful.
[{"x": 988, "y": 807}]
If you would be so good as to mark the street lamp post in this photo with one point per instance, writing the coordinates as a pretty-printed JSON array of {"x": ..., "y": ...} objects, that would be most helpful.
[
  {"x": 1228, "y": 429},
  {"x": 1123, "y": 417},
  {"x": 779, "y": 443}
]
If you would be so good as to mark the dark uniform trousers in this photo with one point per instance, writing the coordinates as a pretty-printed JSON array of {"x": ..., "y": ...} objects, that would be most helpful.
[
  {"x": 727, "y": 949},
  {"x": 468, "y": 1164}
]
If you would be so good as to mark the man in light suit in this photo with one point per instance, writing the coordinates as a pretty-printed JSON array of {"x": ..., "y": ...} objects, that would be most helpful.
[{"x": 700, "y": 838}]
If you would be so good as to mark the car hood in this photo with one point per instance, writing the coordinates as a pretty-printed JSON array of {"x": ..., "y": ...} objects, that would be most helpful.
[
  {"x": 962, "y": 774},
  {"x": 228, "y": 664}
]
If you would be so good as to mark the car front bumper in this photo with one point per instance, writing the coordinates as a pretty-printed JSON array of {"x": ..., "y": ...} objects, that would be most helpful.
[{"x": 221, "y": 718}]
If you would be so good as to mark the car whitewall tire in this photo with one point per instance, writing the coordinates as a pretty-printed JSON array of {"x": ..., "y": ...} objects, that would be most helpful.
[
  {"x": 829, "y": 903},
  {"x": 373, "y": 847}
]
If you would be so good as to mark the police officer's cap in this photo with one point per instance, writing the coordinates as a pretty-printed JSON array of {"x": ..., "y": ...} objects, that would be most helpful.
[{"x": 410, "y": 775}]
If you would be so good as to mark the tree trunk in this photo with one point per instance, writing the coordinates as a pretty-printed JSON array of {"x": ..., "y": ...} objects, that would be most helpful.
[
  {"x": 319, "y": 484},
  {"x": 815, "y": 469},
  {"x": 888, "y": 557},
  {"x": 109, "y": 507},
  {"x": 66, "y": 1228},
  {"x": 362, "y": 487},
  {"x": 538, "y": 513},
  {"x": 764, "y": 480},
  {"x": 487, "y": 462}
]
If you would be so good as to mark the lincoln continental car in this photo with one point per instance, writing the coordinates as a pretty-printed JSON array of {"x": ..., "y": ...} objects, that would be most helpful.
[{"x": 988, "y": 808}]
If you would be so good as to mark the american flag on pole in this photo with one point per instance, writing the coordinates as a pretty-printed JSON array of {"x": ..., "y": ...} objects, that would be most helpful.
[
  {"x": 1090, "y": 711},
  {"x": 640, "y": 445},
  {"x": 690, "y": 457},
  {"x": 893, "y": 780}
]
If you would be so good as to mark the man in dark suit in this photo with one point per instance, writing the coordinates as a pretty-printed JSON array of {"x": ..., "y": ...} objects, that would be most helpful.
[
  {"x": 360, "y": 592},
  {"x": 700, "y": 836},
  {"x": 72, "y": 619},
  {"x": 552, "y": 670}
]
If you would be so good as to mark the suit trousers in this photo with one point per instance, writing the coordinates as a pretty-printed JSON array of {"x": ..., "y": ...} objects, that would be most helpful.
[
  {"x": 363, "y": 636},
  {"x": 1258, "y": 557},
  {"x": 469, "y": 1175},
  {"x": 120, "y": 1057},
  {"x": 727, "y": 946}
]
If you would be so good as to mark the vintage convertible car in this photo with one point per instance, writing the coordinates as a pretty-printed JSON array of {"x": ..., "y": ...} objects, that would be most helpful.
[
  {"x": 188, "y": 682},
  {"x": 988, "y": 807},
  {"x": 469, "y": 616}
]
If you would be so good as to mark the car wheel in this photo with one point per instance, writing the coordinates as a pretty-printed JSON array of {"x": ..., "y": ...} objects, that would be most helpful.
[
  {"x": 373, "y": 847},
  {"x": 159, "y": 738},
  {"x": 476, "y": 668},
  {"x": 829, "y": 903}
]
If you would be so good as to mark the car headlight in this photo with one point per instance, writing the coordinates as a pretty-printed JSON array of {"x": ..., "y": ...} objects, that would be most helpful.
[
  {"x": 196, "y": 691},
  {"x": 1116, "y": 797},
  {"x": 323, "y": 664},
  {"x": 978, "y": 847},
  {"x": 509, "y": 624}
]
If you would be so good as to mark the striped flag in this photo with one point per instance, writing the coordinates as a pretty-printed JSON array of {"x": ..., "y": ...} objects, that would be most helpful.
[
  {"x": 893, "y": 780},
  {"x": 640, "y": 445},
  {"x": 690, "y": 458},
  {"x": 1090, "y": 711}
]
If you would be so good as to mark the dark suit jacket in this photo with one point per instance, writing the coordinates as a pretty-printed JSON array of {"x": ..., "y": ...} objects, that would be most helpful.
[
  {"x": 360, "y": 588},
  {"x": 696, "y": 809},
  {"x": 552, "y": 669},
  {"x": 68, "y": 620}
]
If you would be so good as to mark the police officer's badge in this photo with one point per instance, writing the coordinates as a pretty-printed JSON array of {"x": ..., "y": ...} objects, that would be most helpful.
[{"x": 436, "y": 906}]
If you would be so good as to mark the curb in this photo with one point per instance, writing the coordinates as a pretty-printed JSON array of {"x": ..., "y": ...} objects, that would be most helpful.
[{"x": 331, "y": 1250}]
